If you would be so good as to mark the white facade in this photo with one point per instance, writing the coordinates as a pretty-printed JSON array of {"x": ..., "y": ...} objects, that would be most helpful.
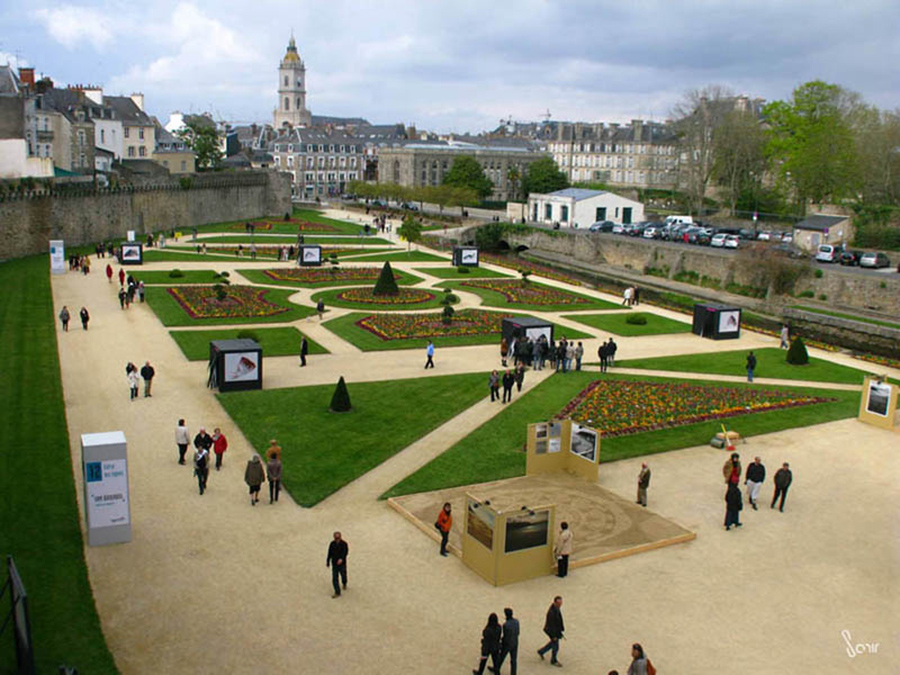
[
  {"x": 578, "y": 208},
  {"x": 291, "y": 110},
  {"x": 108, "y": 136},
  {"x": 16, "y": 163}
]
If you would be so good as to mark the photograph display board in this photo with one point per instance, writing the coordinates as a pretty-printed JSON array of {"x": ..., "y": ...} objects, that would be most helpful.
[
  {"x": 465, "y": 256},
  {"x": 878, "y": 404},
  {"x": 583, "y": 442},
  {"x": 235, "y": 365},
  {"x": 527, "y": 530},
  {"x": 310, "y": 255},
  {"x": 518, "y": 327},
  {"x": 241, "y": 366},
  {"x": 878, "y": 396},
  {"x": 480, "y": 523},
  {"x": 716, "y": 322},
  {"x": 107, "y": 502},
  {"x": 131, "y": 254},
  {"x": 562, "y": 445},
  {"x": 57, "y": 256}
]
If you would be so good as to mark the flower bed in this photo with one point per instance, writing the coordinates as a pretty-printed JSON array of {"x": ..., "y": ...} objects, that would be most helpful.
[
  {"x": 406, "y": 326},
  {"x": 201, "y": 302},
  {"x": 302, "y": 226},
  {"x": 621, "y": 407},
  {"x": 517, "y": 293},
  {"x": 407, "y": 296},
  {"x": 322, "y": 275},
  {"x": 522, "y": 264}
]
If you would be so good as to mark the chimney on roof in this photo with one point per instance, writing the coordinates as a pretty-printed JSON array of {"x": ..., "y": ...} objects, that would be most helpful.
[
  {"x": 638, "y": 128},
  {"x": 26, "y": 77},
  {"x": 138, "y": 99}
]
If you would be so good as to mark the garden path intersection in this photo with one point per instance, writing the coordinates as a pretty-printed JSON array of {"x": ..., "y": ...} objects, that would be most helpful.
[{"x": 773, "y": 597}]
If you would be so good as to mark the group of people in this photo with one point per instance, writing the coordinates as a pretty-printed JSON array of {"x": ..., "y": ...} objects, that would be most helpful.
[
  {"x": 509, "y": 379},
  {"x": 631, "y": 296},
  {"x": 80, "y": 262},
  {"x": 102, "y": 250},
  {"x": 129, "y": 287},
  {"x": 65, "y": 317},
  {"x": 562, "y": 356},
  {"x": 147, "y": 372},
  {"x": 754, "y": 478},
  {"x": 607, "y": 354}
]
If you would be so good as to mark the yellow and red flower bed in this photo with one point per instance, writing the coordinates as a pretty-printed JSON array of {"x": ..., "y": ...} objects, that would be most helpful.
[
  {"x": 408, "y": 326},
  {"x": 301, "y": 225},
  {"x": 322, "y": 275},
  {"x": 202, "y": 302},
  {"x": 620, "y": 407},
  {"x": 517, "y": 293},
  {"x": 407, "y": 296}
]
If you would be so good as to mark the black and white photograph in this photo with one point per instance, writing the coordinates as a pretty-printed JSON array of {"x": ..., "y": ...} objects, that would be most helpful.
[
  {"x": 729, "y": 321},
  {"x": 878, "y": 398},
  {"x": 584, "y": 442}
]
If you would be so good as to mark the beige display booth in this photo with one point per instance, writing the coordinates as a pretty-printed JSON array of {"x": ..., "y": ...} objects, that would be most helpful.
[
  {"x": 878, "y": 405},
  {"x": 506, "y": 543}
]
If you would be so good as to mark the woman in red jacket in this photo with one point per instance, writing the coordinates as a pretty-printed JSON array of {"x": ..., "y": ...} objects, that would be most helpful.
[
  {"x": 443, "y": 524},
  {"x": 220, "y": 445}
]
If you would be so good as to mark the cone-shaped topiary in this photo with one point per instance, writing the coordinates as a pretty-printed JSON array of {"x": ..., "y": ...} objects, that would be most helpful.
[
  {"x": 340, "y": 402},
  {"x": 386, "y": 284},
  {"x": 797, "y": 355}
]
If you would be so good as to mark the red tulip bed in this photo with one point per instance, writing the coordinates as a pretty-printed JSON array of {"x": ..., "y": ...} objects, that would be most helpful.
[
  {"x": 407, "y": 296},
  {"x": 201, "y": 302},
  {"x": 517, "y": 293},
  {"x": 321, "y": 275},
  {"x": 301, "y": 225},
  {"x": 406, "y": 326},
  {"x": 621, "y": 407}
]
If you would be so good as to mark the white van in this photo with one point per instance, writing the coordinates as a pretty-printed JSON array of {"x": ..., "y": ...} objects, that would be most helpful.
[
  {"x": 678, "y": 220},
  {"x": 828, "y": 253}
]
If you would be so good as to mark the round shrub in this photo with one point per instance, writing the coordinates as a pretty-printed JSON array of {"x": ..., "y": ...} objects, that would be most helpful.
[
  {"x": 797, "y": 354},
  {"x": 176, "y": 274},
  {"x": 636, "y": 319},
  {"x": 450, "y": 299},
  {"x": 462, "y": 269},
  {"x": 819, "y": 274}
]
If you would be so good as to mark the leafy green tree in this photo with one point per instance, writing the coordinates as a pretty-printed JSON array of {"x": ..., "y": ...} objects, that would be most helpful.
[
  {"x": 544, "y": 176},
  {"x": 411, "y": 230},
  {"x": 466, "y": 172},
  {"x": 200, "y": 135}
]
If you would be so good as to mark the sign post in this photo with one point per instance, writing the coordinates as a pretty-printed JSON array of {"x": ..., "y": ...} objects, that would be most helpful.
[
  {"x": 107, "y": 504},
  {"x": 57, "y": 256}
]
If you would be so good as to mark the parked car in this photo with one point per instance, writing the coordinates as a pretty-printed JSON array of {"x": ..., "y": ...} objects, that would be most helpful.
[
  {"x": 650, "y": 232},
  {"x": 602, "y": 226},
  {"x": 618, "y": 229},
  {"x": 876, "y": 260},
  {"x": 697, "y": 235},
  {"x": 409, "y": 206},
  {"x": 850, "y": 258},
  {"x": 718, "y": 240},
  {"x": 636, "y": 230},
  {"x": 744, "y": 233},
  {"x": 828, "y": 253},
  {"x": 764, "y": 236},
  {"x": 787, "y": 237},
  {"x": 732, "y": 241}
]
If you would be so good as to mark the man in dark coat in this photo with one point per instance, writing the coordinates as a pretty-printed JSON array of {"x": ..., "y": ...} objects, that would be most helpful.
[
  {"x": 733, "y": 503},
  {"x": 337, "y": 560},
  {"x": 611, "y": 348},
  {"x": 304, "y": 350},
  {"x": 603, "y": 355},
  {"x": 553, "y": 627},
  {"x": 510, "y": 642},
  {"x": 754, "y": 478},
  {"x": 147, "y": 373},
  {"x": 783, "y": 479},
  {"x": 508, "y": 381},
  {"x": 751, "y": 366}
]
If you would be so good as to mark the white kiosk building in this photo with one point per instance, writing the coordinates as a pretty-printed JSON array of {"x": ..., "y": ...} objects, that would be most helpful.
[{"x": 579, "y": 208}]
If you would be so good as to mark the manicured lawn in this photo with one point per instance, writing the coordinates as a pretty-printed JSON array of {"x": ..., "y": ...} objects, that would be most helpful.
[
  {"x": 323, "y": 451},
  {"x": 262, "y": 239},
  {"x": 164, "y": 277},
  {"x": 770, "y": 362},
  {"x": 170, "y": 313},
  {"x": 331, "y": 300},
  {"x": 852, "y": 317},
  {"x": 493, "y": 298},
  {"x": 280, "y": 226},
  {"x": 494, "y": 450},
  {"x": 399, "y": 256},
  {"x": 453, "y": 273},
  {"x": 281, "y": 341},
  {"x": 260, "y": 277},
  {"x": 346, "y": 328},
  {"x": 617, "y": 324},
  {"x": 39, "y": 517},
  {"x": 170, "y": 255}
]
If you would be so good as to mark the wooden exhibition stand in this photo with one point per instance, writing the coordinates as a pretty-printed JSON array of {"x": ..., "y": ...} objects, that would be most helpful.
[
  {"x": 878, "y": 404},
  {"x": 563, "y": 445}
]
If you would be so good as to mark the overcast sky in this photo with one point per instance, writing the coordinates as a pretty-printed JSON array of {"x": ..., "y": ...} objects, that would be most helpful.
[{"x": 460, "y": 65}]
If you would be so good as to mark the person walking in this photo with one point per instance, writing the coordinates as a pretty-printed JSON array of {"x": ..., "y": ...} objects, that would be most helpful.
[
  {"x": 751, "y": 366},
  {"x": 636, "y": 295},
  {"x": 320, "y": 307},
  {"x": 203, "y": 440},
  {"x": 626, "y": 296},
  {"x": 520, "y": 377},
  {"x": 754, "y": 479},
  {"x": 611, "y": 348},
  {"x": 494, "y": 384},
  {"x": 561, "y": 349},
  {"x": 563, "y": 549},
  {"x": 640, "y": 664},
  {"x": 304, "y": 350},
  {"x": 603, "y": 355},
  {"x": 182, "y": 440},
  {"x": 570, "y": 355},
  {"x": 85, "y": 317},
  {"x": 509, "y": 643},
  {"x": 508, "y": 381},
  {"x": 490, "y": 645},
  {"x": 274, "y": 450},
  {"x": 783, "y": 480},
  {"x": 141, "y": 290},
  {"x": 147, "y": 373},
  {"x": 444, "y": 523},
  {"x": 643, "y": 482},
  {"x": 733, "y": 503},
  {"x": 429, "y": 353},
  {"x": 273, "y": 472},
  {"x": 785, "y": 337},
  {"x": 201, "y": 466},
  {"x": 553, "y": 627},
  {"x": 731, "y": 470},
  {"x": 504, "y": 351},
  {"x": 579, "y": 354},
  {"x": 64, "y": 317},
  {"x": 337, "y": 560},
  {"x": 109, "y": 272},
  {"x": 133, "y": 383},
  {"x": 536, "y": 348},
  {"x": 220, "y": 445},
  {"x": 254, "y": 477},
  {"x": 121, "y": 278},
  {"x": 123, "y": 296}
]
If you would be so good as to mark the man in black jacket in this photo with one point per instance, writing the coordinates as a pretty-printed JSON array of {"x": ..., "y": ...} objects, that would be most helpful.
[
  {"x": 733, "y": 505},
  {"x": 508, "y": 381},
  {"x": 337, "y": 560},
  {"x": 510, "y": 643},
  {"x": 783, "y": 479},
  {"x": 553, "y": 627},
  {"x": 755, "y": 477},
  {"x": 147, "y": 373},
  {"x": 751, "y": 366},
  {"x": 611, "y": 352}
]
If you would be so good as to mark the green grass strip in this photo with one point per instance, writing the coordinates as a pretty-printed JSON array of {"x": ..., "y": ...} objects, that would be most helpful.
[
  {"x": 323, "y": 451},
  {"x": 39, "y": 517},
  {"x": 617, "y": 324},
  {"x": 279, "y": 341},
  {"x": 770, "y": 362},
  {"x": 454, "y": 273},
  {"x": 851, "y": 317},
  {"x": 397, "y": 256},
  {"x": 165, "y": 277}
]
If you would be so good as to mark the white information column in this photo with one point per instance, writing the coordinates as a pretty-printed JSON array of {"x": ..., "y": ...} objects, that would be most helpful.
[
  {"x": 107, "y": 505},
  {"x": 57, "y": 256}
]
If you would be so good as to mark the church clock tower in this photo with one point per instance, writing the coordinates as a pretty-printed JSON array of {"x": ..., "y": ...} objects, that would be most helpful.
[{"x": 291, "y": 110}]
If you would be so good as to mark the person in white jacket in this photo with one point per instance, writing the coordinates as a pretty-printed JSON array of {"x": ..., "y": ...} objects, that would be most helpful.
[
  {"x": 133, "y": 383},
  {"x": 563, "y": 549},
  {"x": 182, "y": 440}
]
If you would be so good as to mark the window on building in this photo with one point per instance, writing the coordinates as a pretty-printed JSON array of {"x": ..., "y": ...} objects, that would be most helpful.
[
  {"x": 127, "y": 132},
  {"x": 103, "y": 135},
  {"x": 184, "y": 165},
  {"x": 142, "y": 151},
  {"x": 564, "y": 213},
  {"x": 298, "y": 104},
  {"x": 353, "y": 162},
  {"x": 310, "y": 162},
  {"x": 286, "y": 81},
  {"x": 131, "y": 151},
  {"x": 548, "y": 212},
  {"x": 277, "y": 160},
  {"x": 343, "y": 148},
  {"x": 287, "y": 103},
  {"x": 310, "y": 177},
  {"x": 141, "y": 133},
  {"x": 290, "y": 161}
]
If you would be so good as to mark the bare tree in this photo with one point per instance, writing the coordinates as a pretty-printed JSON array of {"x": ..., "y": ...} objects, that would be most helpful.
[{"x": 738, "y": 153}]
